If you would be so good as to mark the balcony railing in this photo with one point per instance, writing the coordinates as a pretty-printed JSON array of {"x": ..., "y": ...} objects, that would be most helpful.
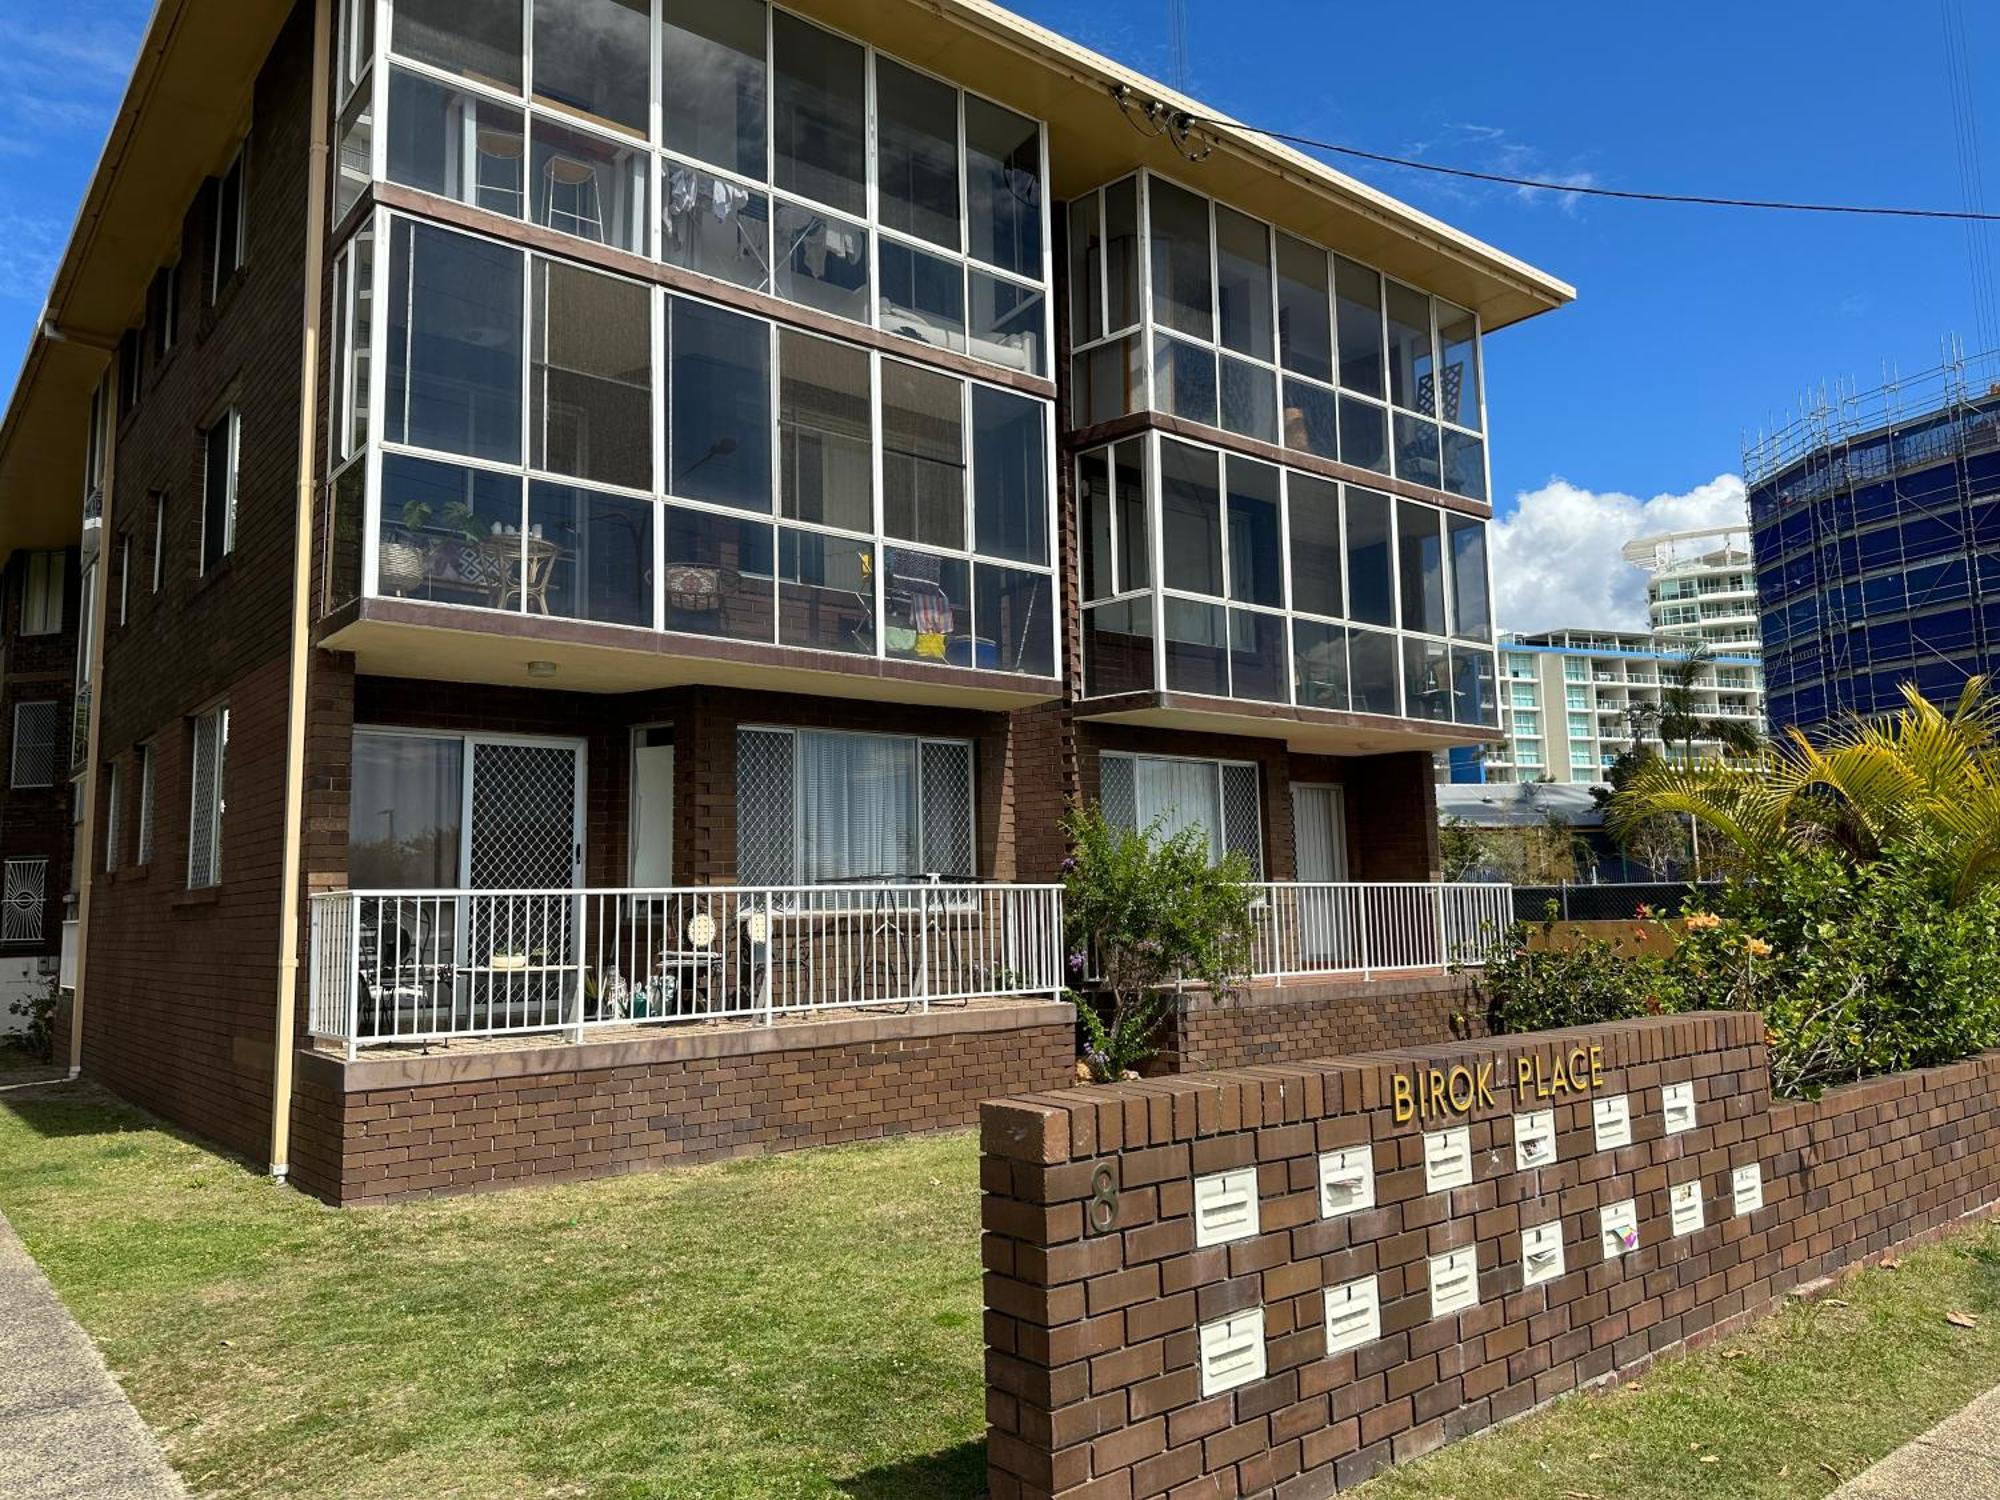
[
  {"x": 422, "y": 966},
  {"x": 1370, "y": 928}
]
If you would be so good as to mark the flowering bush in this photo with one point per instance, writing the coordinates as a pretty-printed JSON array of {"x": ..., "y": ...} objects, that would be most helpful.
[
  {"x": 1856, "y": 969},
  {"x": 1152, "y": 911}
]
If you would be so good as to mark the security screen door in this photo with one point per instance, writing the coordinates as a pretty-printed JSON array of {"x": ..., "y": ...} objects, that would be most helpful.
[{"x": 523, "y": 833}]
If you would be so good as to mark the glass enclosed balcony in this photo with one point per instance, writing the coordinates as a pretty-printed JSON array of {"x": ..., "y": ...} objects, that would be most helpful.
[
  {"x": 1180, "y": 304},
  {"x": 1214, "y": 574},
  {"x": 521, "y": 435}
]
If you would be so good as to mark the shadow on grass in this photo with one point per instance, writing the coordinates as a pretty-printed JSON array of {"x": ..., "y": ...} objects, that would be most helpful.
[
  {"x": 60, "y": 1108},
  {"x": 955, "y": 1474}
]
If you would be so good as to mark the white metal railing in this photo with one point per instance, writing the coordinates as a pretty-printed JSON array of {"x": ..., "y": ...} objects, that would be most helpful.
[
  {"x": 417, "y": 966},
  {"x": 1365, "y": 928}
]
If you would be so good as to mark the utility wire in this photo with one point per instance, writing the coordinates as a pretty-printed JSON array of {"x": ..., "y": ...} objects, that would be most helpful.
[{"x": 1187, "y": 122}]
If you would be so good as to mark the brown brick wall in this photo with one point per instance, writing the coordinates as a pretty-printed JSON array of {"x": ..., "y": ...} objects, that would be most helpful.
[
  {"x": 1308, "y": 1018},
  {"x": 1094, "y": 1386},
  {"x": 35, "y": 821},
  {"x": 181, "y": 986},
  {"x": 381, "y": 1129}
]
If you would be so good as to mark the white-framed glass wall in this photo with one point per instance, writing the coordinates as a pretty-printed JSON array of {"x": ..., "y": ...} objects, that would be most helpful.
[
  {"x": 1181, "y": 304},
  {"x": 730, "y": 138},
  {"x": 1213, "y": 573},
  {"x": 515, "y": 431}
]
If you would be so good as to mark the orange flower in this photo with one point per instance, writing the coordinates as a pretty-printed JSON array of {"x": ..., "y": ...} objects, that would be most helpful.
[
  {"x": 1702, "y": 921},
  {"x": 1756, "y": 947}
]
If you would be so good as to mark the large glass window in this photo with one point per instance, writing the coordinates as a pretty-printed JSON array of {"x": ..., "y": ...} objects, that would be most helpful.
[
  {"x": 1003, "y": 170},
  {"x": 221, "y": 467},
  {"x": 1358, "y": 308},
  {"x": 1243, "y": 283},
  {"x": 1190, "y": 519},
  {"x": 1164, "y": 796},
  {"x": 1304, "y": 328},
  {"x": 593, "y": 552},
  {"x": 1009, "y": 475},
  {"x": 1371, "y": 593},
  {"x": 719, "y": 389},
  {"x": 923, "y": 456},
  {"x": 455, "y": 343},
  {"x": 1458, "y": 340},
  {"x": 1256, "y": 554},
  {"x": 712, "y": 82},
  {"x": 1183, "y": 290},
  {"x": 1471, "y": 616},
  {"x": 917, "y": 154},
  {"x": 592, "y": 58},
  {"x": 1314, "y": 522},
  {"x": 590, "y": 407},
  {"x": 824, "y": 433},
  {"x": 820, "y": 114},
  {"x": 868, "y": 807},
  {"x": 482, "y": 42},
  {"x": 456, "y": 143},
  {"x": 404, "y": 811},
  {"x": 1411, "y": 377}
]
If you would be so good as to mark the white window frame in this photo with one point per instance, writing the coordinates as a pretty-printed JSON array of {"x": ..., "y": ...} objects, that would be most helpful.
[
  {"x": 233, "y": 420},
  {"x": 54, "y": 715},
  {"x": 143, "y": 850},
  {"x": 159, "y": 540},
  {"x": 113, "y": 822},
  {"x": 239, "y": 166},
  {"x": 166, "y": 312},
  {"x": 1218, "y": 837},
  {"x": 970, "y": 746},
  {"x": 42, "y": 593},
  {"x": 206, "y": 804},
  {"x": 124, "y": 573}
]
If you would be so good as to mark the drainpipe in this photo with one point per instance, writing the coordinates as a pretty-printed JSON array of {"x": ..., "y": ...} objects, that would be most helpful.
[
  {"x": 83, "y": 857},
  {"x": 283, "y": 1043}
]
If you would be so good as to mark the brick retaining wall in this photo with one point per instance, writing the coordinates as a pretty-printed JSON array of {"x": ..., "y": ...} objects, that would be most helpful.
[
  {"x": 1308, "y": 1018},
  {"x": 1100, "y": 1299},
  {"x": 400, "y": 1126}
]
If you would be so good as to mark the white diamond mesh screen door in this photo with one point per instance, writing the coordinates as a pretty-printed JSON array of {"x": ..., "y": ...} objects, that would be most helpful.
[{"x": 523, "y": 834}]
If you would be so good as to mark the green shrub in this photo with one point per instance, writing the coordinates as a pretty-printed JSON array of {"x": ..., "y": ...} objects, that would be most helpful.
[
  {"x": 1143, "y": 913},
  {"x": 39, "y": 1011},
  {"x": 1581, "y": 982},
  {"x": 1856, "y": 969}
]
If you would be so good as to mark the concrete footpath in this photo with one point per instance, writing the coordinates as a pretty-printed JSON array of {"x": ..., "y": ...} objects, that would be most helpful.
[
  {"x": 1960, "y": 1458},
  {"x": 66, "y": 1429}
]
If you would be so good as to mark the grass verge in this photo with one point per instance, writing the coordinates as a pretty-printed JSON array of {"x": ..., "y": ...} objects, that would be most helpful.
[{"x": 801, "y": 1325}]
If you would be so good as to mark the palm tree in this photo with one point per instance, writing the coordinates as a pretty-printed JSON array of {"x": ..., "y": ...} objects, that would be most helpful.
[
  {"x": 1676, "y": 721},
  {"x": 1919, "y": 775}
]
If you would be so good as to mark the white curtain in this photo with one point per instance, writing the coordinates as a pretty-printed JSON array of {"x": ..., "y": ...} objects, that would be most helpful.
[
  {"x": 1180, "y": 794},
  {"x": 860, "y": 796}
]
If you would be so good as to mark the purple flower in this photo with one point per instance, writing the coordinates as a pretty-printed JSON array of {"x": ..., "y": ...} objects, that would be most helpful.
[
  {"x": 1076, "y": 963},
  {"x": 1069, "y": 864}
]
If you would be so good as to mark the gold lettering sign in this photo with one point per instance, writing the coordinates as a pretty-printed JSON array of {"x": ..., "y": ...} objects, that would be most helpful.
[{"x": 1434, "y": 1094}]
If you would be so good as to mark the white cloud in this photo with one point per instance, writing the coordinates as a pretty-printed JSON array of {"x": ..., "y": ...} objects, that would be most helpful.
[{"x": 1556, "y": 558}]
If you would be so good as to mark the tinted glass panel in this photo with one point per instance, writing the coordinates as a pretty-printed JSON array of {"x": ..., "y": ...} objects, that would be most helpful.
[
  {"x": 450, "y": 534},
  {"x": 823, "y": 427},
  {"x": 482, "y": 42},
  {"x": 1197, "y": 648},
  {"x": 1006, "y": 322},
  {"x": 1410, "y": 374},
  {"x": 719, "y": 389},
  {"x": 1464, "y": 464},
  {"x": 1426, "y": 680},
  {"x": 454, "y": 378},
  {"x": 1190, "y": 519},
  {"x": 718, "y": 575},
  {"x": 923, "y": 456},
  {"x": 1184, "y": 379},
  {"x": 1015, "y": 621},
  {"x": 927, "y": 605},
  {"x": 1257, "y": 656},
  {"x": 1471, "y": 615},
  {"x": 1305, "y": 330},
  {"x": 1243, "y": 283},
  {"x": 592, "y": 56},
  {"x": 1256, "y": 552},
  {"x": 1372, "y": 672},
  {"x": 1458, "y": 338},
  {"x": 1249, "y": 399},
  {"x": 1311, "y": 425},
  {"x": 589, "y": 555},
  {"x": 588, "y": 185},
  {"x": 1421, "y": 549},
  {"x": 1009, "y": 475},
  {"x": 591, "y": 404},
  {"x": 826, "y": 592},
  {"x": 1358, "y": 306},
  {"x": 923, "y": 297},
  {"x": 1364, "y": 435},
  {"x": 916, "y": 160},
  {"x": 1003, "y": 172},
  {"x": 456, "y": 144},
  {"x": 1319, "y": 665},
  {"x": 819, "y": 111},
  {"x": 1370, "y": 594},
  {"x": 712, "y": 81},
  {"x": 1182, "y": 295},
  {"x": 1315, "y": 542},
  {"x": 713, "y": 226},
  {"x": 1416, "y": 449},
  {"x": 821, "y": 261},
  {"x": 1121, "y": 255}
]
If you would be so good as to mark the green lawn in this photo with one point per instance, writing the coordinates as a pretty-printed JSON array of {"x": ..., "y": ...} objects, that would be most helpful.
[{"x": 801, "y": 1325}]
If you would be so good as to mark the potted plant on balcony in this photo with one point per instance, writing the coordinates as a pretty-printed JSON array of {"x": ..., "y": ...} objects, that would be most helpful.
[{"x": 403, "y": 561}]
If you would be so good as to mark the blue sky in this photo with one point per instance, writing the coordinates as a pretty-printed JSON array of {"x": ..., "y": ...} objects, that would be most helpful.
[{"x": 1691, "y": 324}]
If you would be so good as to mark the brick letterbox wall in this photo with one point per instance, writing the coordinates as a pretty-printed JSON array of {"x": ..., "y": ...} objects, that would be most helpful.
[{"x": 1149, "y": 1335}]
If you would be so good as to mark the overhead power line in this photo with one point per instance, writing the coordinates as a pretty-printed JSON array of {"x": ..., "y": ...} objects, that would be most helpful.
[{"x": 1178, "y": 124}]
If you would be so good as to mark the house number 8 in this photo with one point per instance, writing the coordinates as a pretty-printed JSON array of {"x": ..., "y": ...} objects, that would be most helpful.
[{"x": 1102, "y": 1211}]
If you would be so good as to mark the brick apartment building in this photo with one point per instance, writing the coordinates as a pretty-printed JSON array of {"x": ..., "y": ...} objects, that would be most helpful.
[{"x": 605, "y": 513}]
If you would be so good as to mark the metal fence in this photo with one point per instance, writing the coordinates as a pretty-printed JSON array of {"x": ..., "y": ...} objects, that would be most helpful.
[
  {"x": 416, "y": 966},
  {"x": 1372, "y": 927},
  {"x": 1608, "y": 903}
]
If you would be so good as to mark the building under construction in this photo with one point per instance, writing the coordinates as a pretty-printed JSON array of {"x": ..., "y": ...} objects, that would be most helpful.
[{"x": 1876, "y": 527}]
